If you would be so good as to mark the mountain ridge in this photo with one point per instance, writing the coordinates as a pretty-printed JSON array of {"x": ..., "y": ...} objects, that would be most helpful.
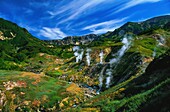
[
  {"x": 146, "y": 26},
  {"x": 114, "y": 72}
]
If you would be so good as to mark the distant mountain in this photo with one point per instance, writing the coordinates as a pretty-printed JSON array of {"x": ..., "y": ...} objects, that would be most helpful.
[
  {"x": 124, "y": 70},
  {"x": 75, "y": 40},
  {"x": 12, "y": 33},
  {"x": 142, "y": 27},
  {"x": 17, "y": 44},
  {"x": 135, "y": 28}
]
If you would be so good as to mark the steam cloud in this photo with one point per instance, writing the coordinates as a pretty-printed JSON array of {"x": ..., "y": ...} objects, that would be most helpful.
[
  {"x": 78, "y": 53},
  {"x": 101, "y": 57},
  {"x": 121, "y": 52},
  {"x": 108, "y": 79},
  {"x": 116, "y": 59},
  {"x": 88, "y": 58},
  {"x": 161, "y": 41}
]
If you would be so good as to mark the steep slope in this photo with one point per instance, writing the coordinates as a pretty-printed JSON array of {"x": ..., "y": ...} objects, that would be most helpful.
[
  {"x": 17, "y": 46},
  {"x": 114, "y": 72},
  {"x": 16, "y": 42},
  {"x": 12, "y": 33},
  {"x": 155, "y": 78},
  {"x": 124, "y": 61},
  {"x": 130, "y": 27},
  {"x": 26, "y": 91},
  {"x": 146, "y": 92},
  {"x": 141, "y": 27}
]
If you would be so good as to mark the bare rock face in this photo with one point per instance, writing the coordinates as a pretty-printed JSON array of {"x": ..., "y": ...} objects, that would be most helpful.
[
  {"x": 75, "y": 40},
  {"x": 74, "y": 89},
  {"x": 2, "y": 37}
]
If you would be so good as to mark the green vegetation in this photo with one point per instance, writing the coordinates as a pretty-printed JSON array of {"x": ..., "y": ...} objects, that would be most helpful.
[
  {"x": 33, "y": 92},
  {"x": 20, "y": 46},
  {"x": 40, "y": 75},
  {"x": 54, "y": 73}
]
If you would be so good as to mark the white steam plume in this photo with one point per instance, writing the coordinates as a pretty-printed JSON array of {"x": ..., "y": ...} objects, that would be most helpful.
[
  {"x": 81, "y": 54},
  {"x": 109, "y": 77},
  {"x": 78, "y": 53},
  {"x": 161, "y": 41},
  {"x": 101, "y": 57},
  {"x": 121, "y": 52},
  {"x": 124, "y": 47},
  {"x": 154, "y": 52},
  {"x": 76, "y": 48},
  {"x": 101, "y": 79},
  {"x": 88, "y": 58},
  {"x": 116, "y": 58}
]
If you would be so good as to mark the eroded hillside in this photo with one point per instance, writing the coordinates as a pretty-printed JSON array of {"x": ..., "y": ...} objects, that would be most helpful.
[{"x": 124, "y": 70}]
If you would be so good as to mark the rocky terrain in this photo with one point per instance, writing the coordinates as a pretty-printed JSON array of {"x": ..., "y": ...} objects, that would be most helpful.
[
  {"x": 75, "y": 40},
  {"x": 124, "y": 70}
]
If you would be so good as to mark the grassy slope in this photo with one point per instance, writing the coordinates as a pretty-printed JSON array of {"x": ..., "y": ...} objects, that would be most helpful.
[
  {"x": 35, "y": 90},
  {"x": 118, "y": 98},
  {"x": 144, "y": 45},
  {"x": 143, "y": 92},
  {"x": 16, "y": 51},
  {"x": 26, "y": 91}
]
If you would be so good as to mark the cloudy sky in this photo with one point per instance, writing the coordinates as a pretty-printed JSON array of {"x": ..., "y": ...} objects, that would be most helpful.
[{"x": 55, "y": 19}]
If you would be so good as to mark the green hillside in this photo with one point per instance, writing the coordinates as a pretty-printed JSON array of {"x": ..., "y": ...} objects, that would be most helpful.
[
  {"x": 17, "y": 46},
  {"x": 126, "y": 70}
]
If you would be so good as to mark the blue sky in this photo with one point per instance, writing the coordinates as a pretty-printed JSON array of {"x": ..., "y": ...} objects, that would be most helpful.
[{"x": 56, "y": 19}]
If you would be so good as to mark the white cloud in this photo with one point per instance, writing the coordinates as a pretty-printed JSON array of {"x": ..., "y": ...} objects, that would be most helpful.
[
  {"x": 167, "y": 14},
  {"x": 52, "y": 33},
  {"x": 3, "y": 16},
  {"x": 104, "y": 30},
  {"x": 77, "y": 9},
  {"x": 105, "y": 24},
  {"x": 132, "y": 3},
  {"x": 143, "y": 19},
  {"x": 28, "y": 27},
  {"x": 28, "y": 11},
  {"x": 83, "y": 8},
  {"x": 39, "y": 4},
  {"x": 61, "y": 9}
]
